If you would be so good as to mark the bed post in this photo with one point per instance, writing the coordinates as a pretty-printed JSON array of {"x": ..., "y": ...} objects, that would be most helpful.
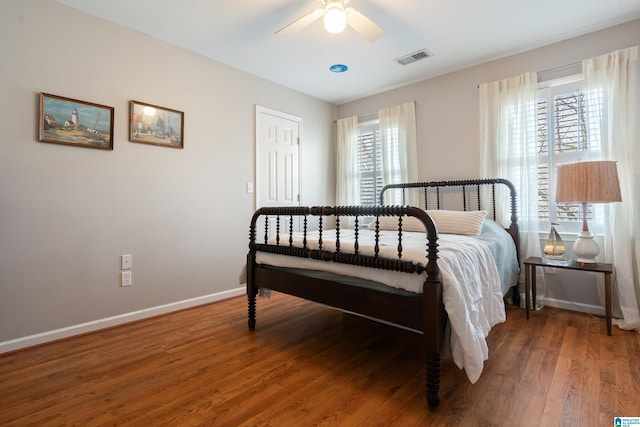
[
  {"x": 252, "y": 290},
  {"x": 433, "y": 311},
  {"x": 433, "y": 338},
  {"x": 433, "y": 321}
]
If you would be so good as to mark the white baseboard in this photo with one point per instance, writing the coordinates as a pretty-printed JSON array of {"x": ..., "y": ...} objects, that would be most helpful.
[
  {"x": 574, "y": 306},
  {"x": 95, "y": 325}
]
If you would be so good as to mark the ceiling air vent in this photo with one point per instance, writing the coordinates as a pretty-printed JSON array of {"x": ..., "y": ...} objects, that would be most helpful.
[{"x": 413, "y": 57}]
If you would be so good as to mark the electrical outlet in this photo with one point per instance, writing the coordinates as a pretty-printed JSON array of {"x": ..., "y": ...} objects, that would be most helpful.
[
  {"x": 125, "y": 278},
  {"x": 126, "y": 262}
]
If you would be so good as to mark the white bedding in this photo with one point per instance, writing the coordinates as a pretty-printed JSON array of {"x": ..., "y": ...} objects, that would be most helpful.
[{"x": 471, "y": 286}]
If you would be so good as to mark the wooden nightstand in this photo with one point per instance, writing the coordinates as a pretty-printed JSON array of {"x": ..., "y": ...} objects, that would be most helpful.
[{"x": 531, "y": 263}]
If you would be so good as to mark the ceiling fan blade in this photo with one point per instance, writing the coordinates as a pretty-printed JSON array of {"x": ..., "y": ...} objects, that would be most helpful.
[
  {"x": 363, "y": 25},
  {"x": 302, "y": 22}
]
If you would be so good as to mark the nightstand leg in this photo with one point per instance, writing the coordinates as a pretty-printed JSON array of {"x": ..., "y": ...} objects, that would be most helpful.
[
  {"x": 527, "y": 287},
  {"x": 607, "y": 300},
  {"x": 533, "y": 287}
]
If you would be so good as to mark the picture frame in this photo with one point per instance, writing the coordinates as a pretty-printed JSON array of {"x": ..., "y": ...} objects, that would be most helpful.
[
  {"x": 68, "y": 121},
  {"x": 155, "y": 125}
]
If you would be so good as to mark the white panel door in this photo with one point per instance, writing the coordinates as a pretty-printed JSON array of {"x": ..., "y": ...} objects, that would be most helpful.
[{"x": 277, "y": 158}]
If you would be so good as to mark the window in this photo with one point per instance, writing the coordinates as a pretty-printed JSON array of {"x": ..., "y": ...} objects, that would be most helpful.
[
  {"x": 370, "y": 162},
  {"x": 371, "y": 154},
  {"x": 371, "y": 166},
  {"x": 565, "y": 134}
]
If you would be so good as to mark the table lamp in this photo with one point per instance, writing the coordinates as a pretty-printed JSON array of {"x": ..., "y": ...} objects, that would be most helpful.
[{"x": 587, "y": 182}]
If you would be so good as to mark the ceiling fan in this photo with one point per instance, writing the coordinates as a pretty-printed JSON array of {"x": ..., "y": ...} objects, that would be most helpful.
[{"x": 336, "y": 15}]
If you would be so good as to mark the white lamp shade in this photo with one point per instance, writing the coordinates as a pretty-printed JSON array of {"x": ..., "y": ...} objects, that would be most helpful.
[{"x": 588, "y": 182}]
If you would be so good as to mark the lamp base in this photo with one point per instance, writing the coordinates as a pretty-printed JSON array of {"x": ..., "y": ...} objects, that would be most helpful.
[{"x": 586, "y": 248}]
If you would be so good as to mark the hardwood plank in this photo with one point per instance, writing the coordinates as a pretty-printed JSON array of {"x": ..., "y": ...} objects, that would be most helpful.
[
  {"x": 533, "y": 411},
  {"x": 307, "y": 364}
]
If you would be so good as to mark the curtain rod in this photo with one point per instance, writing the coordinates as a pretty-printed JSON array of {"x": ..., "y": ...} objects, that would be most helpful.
[
  {"x": 363, "y": 115},
  {"x": 558, "y": 68},
  {"x": 368, "y": 114}
]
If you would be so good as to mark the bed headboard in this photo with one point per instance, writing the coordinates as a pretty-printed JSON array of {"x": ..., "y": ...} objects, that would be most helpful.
[{"x": 467, "y": 195}]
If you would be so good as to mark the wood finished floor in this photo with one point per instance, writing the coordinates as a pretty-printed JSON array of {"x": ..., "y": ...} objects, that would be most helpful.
[{"x": 309, "y": 365}]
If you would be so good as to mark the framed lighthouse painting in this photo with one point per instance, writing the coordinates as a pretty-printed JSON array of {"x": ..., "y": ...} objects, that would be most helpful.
[{"x": 73, "y": 122}]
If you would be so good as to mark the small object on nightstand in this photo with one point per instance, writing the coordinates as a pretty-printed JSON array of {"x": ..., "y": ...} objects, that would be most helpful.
[{"x": 554, "y": 249}]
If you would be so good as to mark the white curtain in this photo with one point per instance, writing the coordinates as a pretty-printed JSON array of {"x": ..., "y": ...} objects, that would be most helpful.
[
  {"x": 616, "y": 76},
  {"x": 399, "y": 146},
  {"x": 348, "y": 179},
  {"x": 508, "y": 150}
]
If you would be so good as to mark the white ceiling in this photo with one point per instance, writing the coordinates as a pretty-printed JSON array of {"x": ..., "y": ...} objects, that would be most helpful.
[{"x": 459, "y": 34}]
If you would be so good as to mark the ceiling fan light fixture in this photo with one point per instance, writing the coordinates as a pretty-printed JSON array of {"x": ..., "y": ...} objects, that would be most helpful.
[
  {"x": 336, "y": 15},
  {"x": 335, "y": 19}
]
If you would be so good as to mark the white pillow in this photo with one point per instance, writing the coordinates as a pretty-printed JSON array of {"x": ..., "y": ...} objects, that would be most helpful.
[
  {"x": 458, "y": 222},
  {"x": 448, "y": 222}
]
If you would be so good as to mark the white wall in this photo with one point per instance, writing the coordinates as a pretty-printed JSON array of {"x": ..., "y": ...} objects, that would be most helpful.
[
  {"x": 448, "y": 122},
  {"x": 68, "y": 213}
]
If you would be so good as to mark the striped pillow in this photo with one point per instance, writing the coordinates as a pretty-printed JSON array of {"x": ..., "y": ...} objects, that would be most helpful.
[
  {"x": 458, "y": 222},
  {"x": 448, "y": 222}
]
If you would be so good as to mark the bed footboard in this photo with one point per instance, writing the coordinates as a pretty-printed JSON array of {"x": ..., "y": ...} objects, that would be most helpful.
[{"x": 422, "y": 312}]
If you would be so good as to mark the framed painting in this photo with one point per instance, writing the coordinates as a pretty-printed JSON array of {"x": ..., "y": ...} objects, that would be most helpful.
[
  {"x": 72, "y": 122},
  {"x": 151, "y": 124}
]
